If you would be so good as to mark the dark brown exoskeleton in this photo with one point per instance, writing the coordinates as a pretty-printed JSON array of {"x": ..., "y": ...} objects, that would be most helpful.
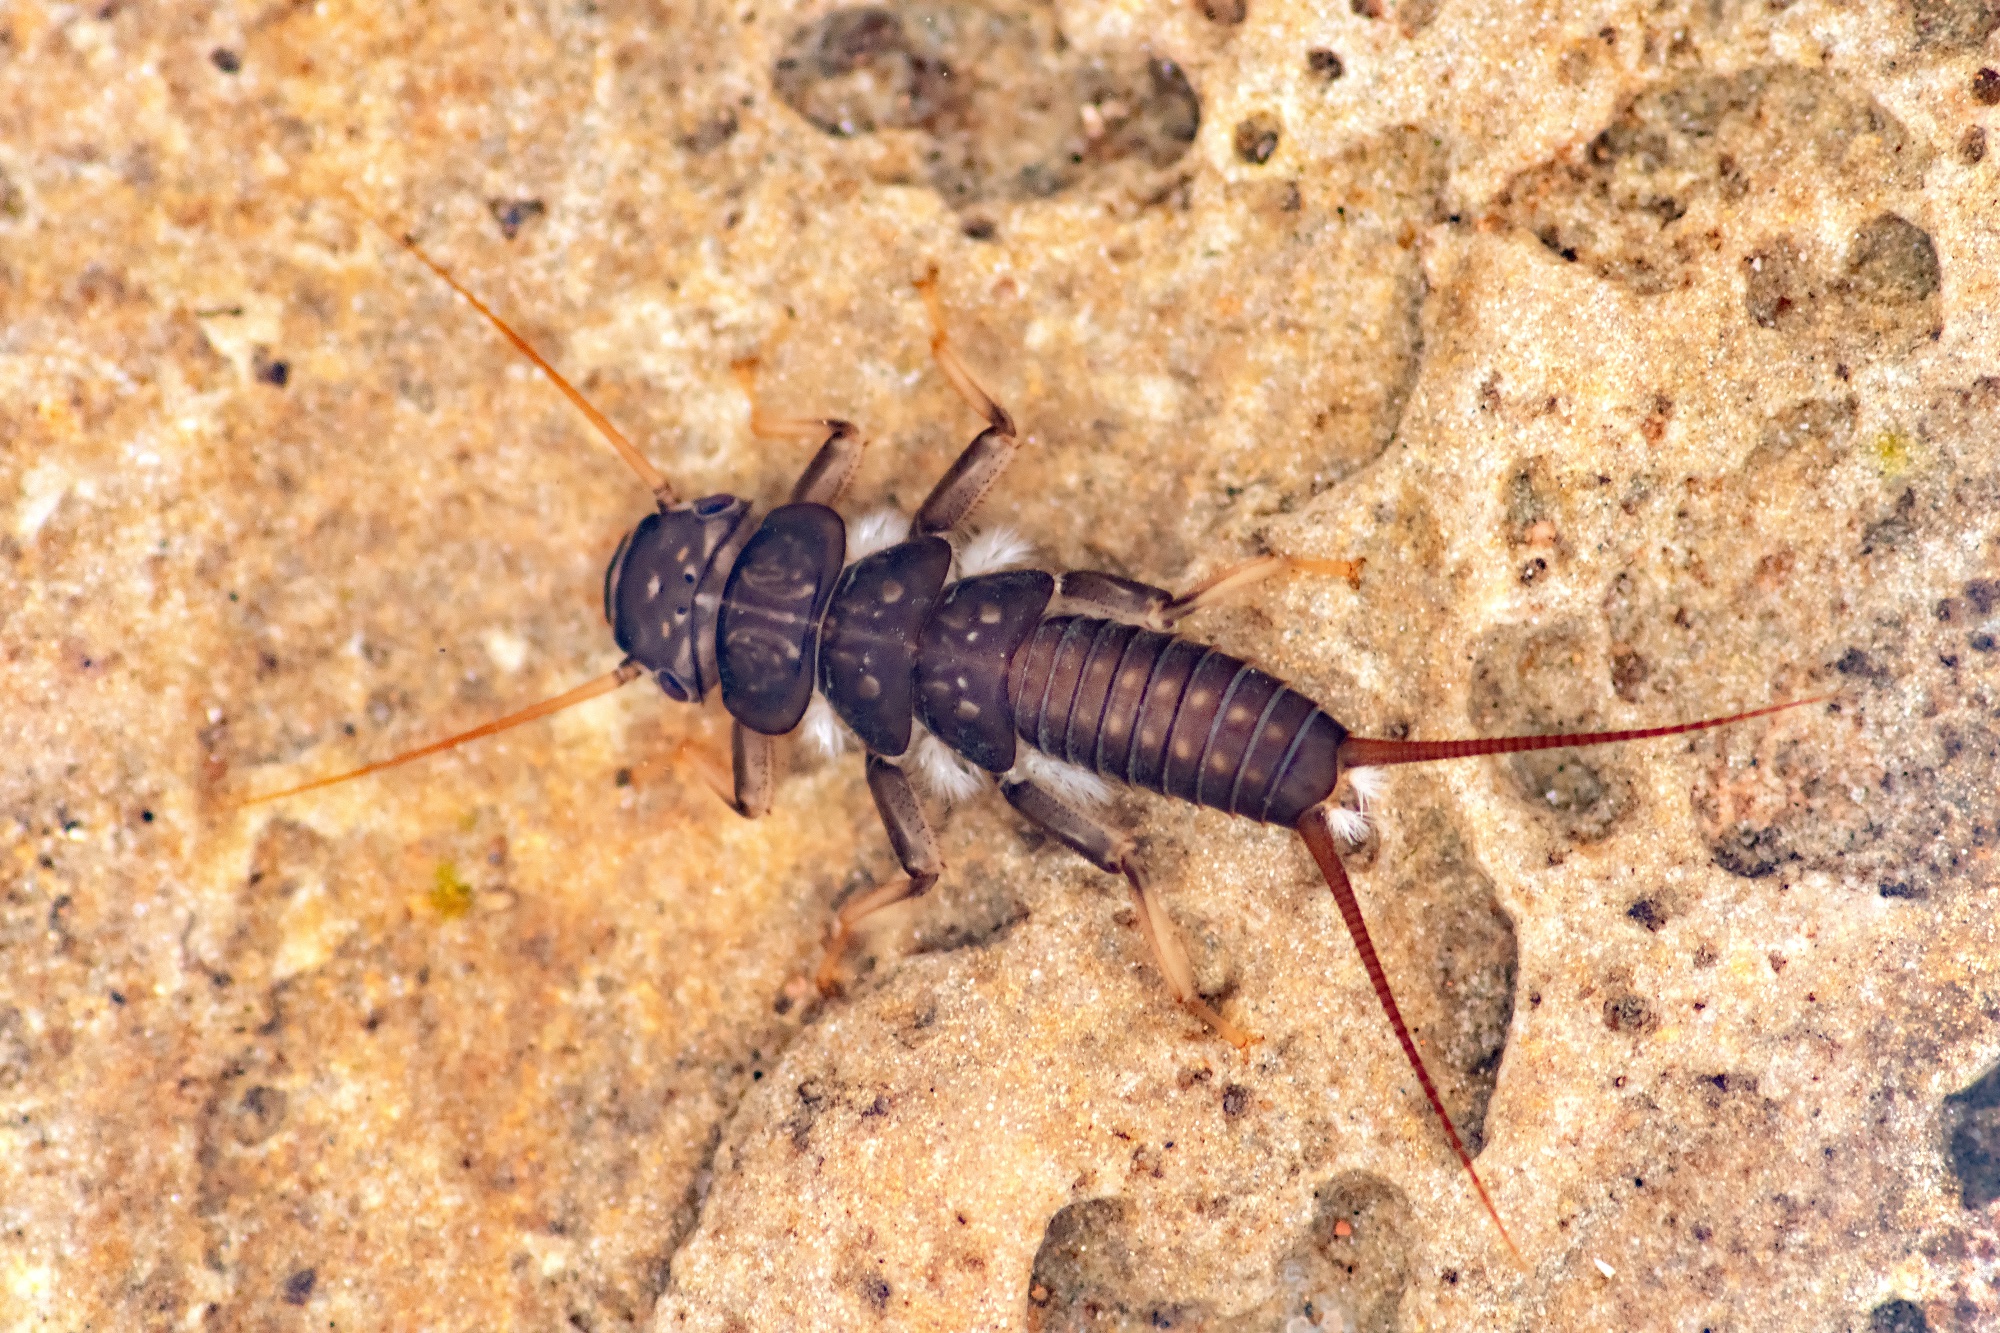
[{"x": 1025, "y": 675}]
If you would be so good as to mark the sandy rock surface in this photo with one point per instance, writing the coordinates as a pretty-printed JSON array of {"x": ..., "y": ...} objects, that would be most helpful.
[{"x": 1646, "y": 354}]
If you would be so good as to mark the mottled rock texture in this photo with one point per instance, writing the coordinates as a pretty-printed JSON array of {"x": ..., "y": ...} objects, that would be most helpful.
[{"x": 1646, "y": 353}]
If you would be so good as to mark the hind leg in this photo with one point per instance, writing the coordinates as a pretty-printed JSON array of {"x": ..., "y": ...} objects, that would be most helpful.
[{"x": 1113, "y": 852}]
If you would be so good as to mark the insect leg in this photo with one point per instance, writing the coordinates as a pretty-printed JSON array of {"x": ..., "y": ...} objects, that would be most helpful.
[
  {"x": 916, "y": 848},
  {"x": 1228, "y": 583},
  {"x": 1091, "y": 592},
  {"x": 754, "y": 758},
  {"x": 832, "y": 467},
  {"x": 954, "y": 369},
  {"x": 1113, "y": 852},
  {"x": 696, "y": 753},
  {"x": 840, "y": 444},
  {"x": 690, "y": 753},
  {"x": 976, "y": 469}
]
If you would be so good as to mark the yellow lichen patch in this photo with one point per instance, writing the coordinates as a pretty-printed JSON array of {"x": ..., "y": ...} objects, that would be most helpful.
[
  {"x": 450, "y": 896},
  {"x": 1892, "y": 453}
]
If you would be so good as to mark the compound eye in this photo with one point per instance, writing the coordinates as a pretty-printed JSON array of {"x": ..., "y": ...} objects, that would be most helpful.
[
  {"x": 710, "y": 506},
  {"x": 671, "y": 687}
]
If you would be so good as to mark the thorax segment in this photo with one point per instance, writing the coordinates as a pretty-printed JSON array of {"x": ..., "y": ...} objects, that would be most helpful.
[
  {"x": 870, "y": 635},
  {"x": 963, "y": 655},
  {"x": 767, "y": 634}
]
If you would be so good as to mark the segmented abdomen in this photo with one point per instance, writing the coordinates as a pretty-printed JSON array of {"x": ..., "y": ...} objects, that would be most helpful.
[{"x": 1182, "y": 718}]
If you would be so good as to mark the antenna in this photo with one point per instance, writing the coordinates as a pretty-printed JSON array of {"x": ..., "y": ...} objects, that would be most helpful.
[
  {"x": 627, "y": 671},
  {"x": 646, "y": 472}
]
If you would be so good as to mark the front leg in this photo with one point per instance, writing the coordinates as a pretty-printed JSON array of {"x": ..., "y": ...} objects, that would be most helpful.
[
  {"x": 1113, "y": 852},
  {"x": 976, "y": 469},
  {"x": 916, "y": 849},
  {"x": 753, "y": 756},
  {"x": 840, "y": 444}
]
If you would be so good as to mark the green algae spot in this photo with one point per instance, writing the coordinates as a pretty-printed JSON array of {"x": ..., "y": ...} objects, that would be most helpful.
[
  {"x": 450, "y": 896},
  {"x": 1892, "y": 453}
]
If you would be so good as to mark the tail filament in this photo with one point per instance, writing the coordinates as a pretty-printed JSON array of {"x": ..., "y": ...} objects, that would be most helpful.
[
  {"x": 1319, "y": 836},
  {"x": 1361, "y": 752}
]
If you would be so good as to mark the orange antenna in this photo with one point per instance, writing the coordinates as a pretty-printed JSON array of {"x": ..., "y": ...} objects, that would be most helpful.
[
  {"x": 627, "y": 671},
  {"x": 635, "y": 460}
]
